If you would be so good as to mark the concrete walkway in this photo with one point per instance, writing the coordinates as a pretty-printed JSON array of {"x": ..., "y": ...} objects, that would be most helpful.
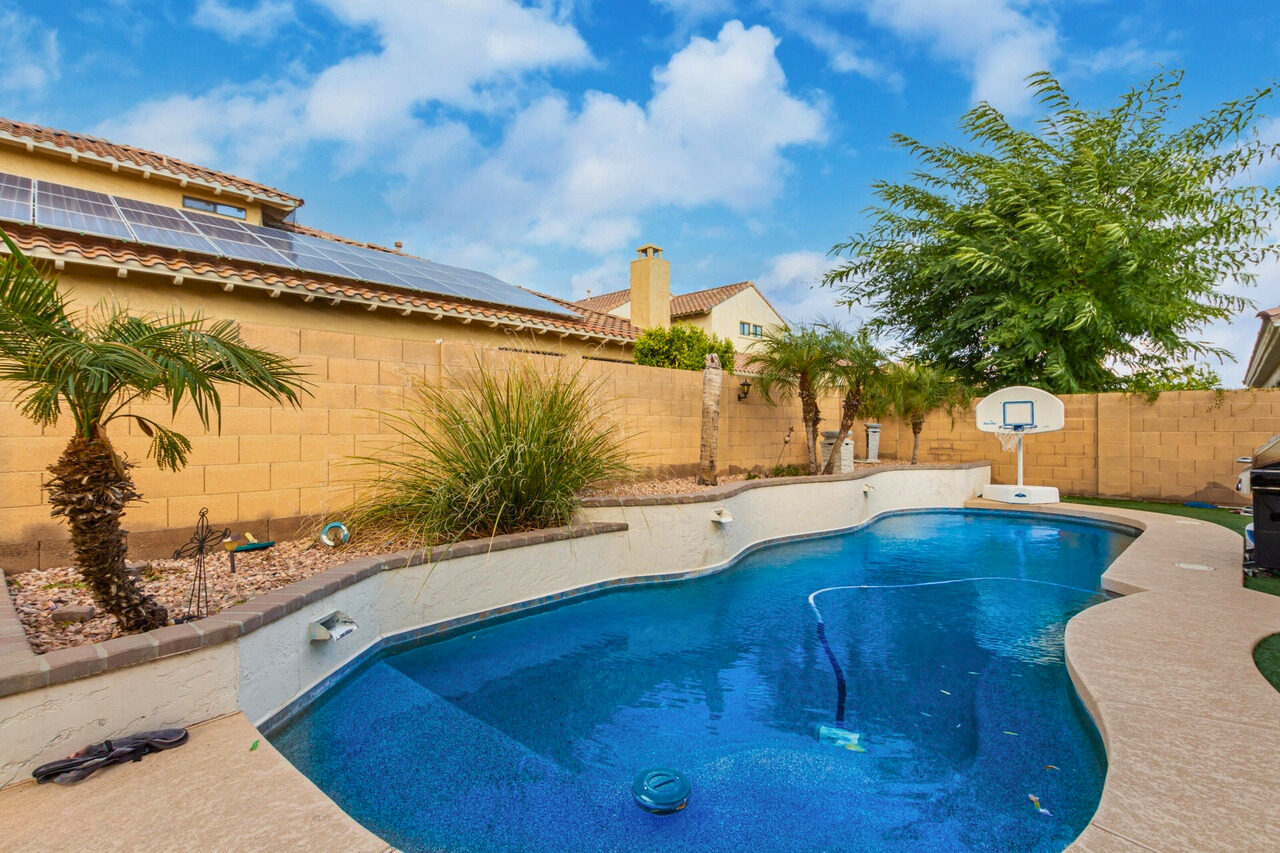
[
  {"x": 1192, "y": 728},
  {"x": 212, "y": 793}
]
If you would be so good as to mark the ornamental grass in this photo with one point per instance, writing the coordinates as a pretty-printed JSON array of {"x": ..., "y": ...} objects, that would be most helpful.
[{"x": 500, "y": 451}]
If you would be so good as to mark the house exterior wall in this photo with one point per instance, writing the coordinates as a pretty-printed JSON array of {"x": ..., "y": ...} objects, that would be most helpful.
[
  {"x": 93, "y": 176},
  {"x": 746, "y": 306}
]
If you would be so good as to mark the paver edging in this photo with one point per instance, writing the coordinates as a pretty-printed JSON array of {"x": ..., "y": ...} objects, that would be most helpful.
[
  {"x": 21, "y": 669},
  {"x": 728, "y": 490}
]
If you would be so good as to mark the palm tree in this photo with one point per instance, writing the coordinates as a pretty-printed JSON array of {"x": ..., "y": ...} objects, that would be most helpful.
[
  {"x": 856, "y": 369},
  {"x": 794, "y": 361},
  {"x": 917, "y": 390},
  {"x": 95, "y": 363}
]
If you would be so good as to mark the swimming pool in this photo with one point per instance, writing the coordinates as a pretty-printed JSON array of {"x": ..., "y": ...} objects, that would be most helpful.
[{"x": 944, "y": 628}]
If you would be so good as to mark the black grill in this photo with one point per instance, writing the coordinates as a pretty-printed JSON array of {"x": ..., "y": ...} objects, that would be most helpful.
[{"x": 1264, "y": 481}]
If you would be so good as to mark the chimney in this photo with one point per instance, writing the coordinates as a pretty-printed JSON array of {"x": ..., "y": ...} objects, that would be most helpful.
[{"x": 650, "y": 289}]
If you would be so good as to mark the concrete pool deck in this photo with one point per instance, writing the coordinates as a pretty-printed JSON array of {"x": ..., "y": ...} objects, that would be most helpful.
[
  {"x": 212, "y": 793},
  {"x": 1192, "y": 731},
  {"x": 1192, "y": 728}
]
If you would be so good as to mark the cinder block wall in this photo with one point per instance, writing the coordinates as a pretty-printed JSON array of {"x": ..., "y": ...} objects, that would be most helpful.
[
  {"x": 274, "y": 471},
  {"x": 1181, "y": 447}
]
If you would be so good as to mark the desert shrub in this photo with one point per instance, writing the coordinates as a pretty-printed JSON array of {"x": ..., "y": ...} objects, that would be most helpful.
[
  {"x": 682, "y": 347},
  {"x": 505, "y": 451}
]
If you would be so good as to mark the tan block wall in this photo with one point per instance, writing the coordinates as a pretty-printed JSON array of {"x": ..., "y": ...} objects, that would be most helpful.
[
  {"x": 1181, "y": 447},
  {"x": 274, "y": 470}
]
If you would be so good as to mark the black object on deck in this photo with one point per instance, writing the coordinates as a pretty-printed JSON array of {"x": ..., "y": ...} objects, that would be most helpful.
[{"x": 1264, "y": 481}]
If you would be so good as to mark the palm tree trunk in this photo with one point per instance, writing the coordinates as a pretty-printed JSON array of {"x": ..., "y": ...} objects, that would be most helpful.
[
  {"x": 811, "y": 417},
  {"x": 848, "y": 414},
  {"x": 916, "y": 427},
  {"x": 91, "y": 488},
  {"x": 712, "y": 378}
]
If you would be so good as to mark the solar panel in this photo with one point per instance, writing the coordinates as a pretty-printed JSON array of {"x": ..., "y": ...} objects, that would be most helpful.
[
  {"x": 161, "y": 226},
  {"x": 74, "y": 209},
  {"x": 15, "y": 198},
  {"x": 233, "y": 240}
]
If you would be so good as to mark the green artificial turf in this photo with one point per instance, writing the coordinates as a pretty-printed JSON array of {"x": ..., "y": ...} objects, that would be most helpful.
[
  {"x": 1267, "y": 656},
  {"x": 1224, "y": 517}
]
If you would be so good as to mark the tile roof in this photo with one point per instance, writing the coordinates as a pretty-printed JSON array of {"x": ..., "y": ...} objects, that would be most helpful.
[
  {"x": 1271, "y": 314},
  {"x": 605, "y": 302},
  {"x": 50, "y": 243},
  {"x": 91, "y": 145},
  {"x": 702, "y": 301},
  {"x": 682, "y": 304}
]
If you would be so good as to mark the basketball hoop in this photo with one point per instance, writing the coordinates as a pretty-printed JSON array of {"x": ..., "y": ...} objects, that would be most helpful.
[
  {"x": 1013, "y": 414},
  {"x": 1009, "y": 437}
]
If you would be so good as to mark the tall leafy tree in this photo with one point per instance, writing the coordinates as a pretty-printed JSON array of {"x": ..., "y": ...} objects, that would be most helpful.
[
  {"x": 794, "y": 361},
  {"x": 91, "y": 365},
  {"x": 1092, "y": 247},
  {"x": 915, "y": 390},
  {"x": 856, "y": 369}
]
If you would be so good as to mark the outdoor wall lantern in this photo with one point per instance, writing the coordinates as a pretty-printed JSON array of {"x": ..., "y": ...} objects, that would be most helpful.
[{"x": 745, "y": 385}]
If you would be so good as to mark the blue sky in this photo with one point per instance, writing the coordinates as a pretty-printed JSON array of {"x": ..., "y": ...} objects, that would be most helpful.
[{"x": 543, "y": 141}]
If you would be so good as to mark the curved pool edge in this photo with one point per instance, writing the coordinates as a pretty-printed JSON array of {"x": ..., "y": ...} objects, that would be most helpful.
[
  {"x": 1191, "y": 728},
  {"x": 403, "y": 640}
]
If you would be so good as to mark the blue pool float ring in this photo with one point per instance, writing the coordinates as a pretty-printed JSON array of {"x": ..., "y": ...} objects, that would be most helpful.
[{"x": 342, "y": 537}]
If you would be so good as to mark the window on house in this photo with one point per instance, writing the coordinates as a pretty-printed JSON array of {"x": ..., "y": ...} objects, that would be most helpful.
[
  {"x": 757, "y": 332},
  {"x": 192, "y": 203},
  {"x": 744, "y": 329}
]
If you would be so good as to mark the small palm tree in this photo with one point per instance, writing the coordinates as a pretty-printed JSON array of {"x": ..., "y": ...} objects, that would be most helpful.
[
  {"x": 855, "y": 368},
  {"x": 794, "y": 361},
  {"x": 93, "y": 365},
  {"x": 917, "y": 390}
]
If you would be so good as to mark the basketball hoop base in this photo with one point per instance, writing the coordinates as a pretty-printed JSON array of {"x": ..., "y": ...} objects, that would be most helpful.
[{"x": 1021, "y": 494}]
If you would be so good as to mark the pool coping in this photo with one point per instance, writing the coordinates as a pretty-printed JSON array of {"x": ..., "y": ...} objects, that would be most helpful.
[
  {"x": 1191, "y": 727},
  {"x": 438, "y": 631}
]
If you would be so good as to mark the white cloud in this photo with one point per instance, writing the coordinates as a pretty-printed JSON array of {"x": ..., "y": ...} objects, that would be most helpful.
[
  {"x": 998, "y": 42},
  {"x": 28, "y": 52},
  {"x": 792, "y": 282},
  {"x": 255, "y": 22},
  {"x": 458, "y": 52},
  {"x": 463, "y": 53},
  {"x": 713, "y": 133}
]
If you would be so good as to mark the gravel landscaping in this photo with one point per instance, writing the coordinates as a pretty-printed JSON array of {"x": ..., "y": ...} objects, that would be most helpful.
[{"x": 37, "y": 593}]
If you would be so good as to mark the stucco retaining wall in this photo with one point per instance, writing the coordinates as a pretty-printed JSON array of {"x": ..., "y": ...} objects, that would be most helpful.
[{"x": 256, "y": 657}]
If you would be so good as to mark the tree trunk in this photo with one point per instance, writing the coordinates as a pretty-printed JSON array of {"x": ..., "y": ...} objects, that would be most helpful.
[
  {"x": 712, "y": 377},
  {"x": 848, "y": 414},
  {"x": 916, "y": 427},
  {"x": 811, "y": 417},
  {"x": 91, "y": 488}
]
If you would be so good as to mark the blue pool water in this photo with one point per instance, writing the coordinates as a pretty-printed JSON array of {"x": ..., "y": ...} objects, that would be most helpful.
[{"x": 525, "y": 735}]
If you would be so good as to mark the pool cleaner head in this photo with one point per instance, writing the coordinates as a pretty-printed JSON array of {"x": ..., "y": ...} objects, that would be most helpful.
[
  {"x": 833, "y": 736},
  {"x": 661, "y": 791}
]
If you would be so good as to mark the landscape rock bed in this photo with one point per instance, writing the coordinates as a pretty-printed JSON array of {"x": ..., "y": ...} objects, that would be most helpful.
[
  {"x": 37, "y": 593},
  {"x": 677, "y": 486}
]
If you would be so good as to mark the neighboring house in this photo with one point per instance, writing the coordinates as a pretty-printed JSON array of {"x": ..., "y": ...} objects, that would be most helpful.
[
  {"x": 158, "y": 232},
  {"x": 1264, "y": 364},
  {"x": 738, "y": 312}
]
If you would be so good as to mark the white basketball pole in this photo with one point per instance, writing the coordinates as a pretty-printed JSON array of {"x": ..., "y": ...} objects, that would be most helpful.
[{"x": 1019, "y": 460}]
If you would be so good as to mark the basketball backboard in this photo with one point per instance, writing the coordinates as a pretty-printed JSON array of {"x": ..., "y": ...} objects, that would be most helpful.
[{"x": 1020, "y": 407}]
